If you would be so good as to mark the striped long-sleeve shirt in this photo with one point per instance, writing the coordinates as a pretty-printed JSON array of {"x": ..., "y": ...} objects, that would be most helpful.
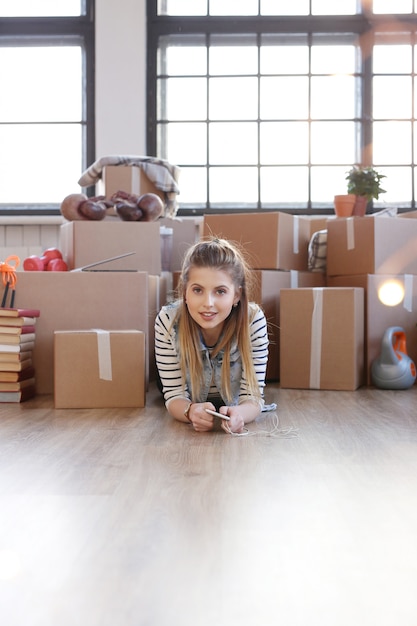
[{"x": 168, "y": 363}]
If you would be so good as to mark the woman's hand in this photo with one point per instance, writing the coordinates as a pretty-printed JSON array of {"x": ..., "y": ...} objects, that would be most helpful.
[
  {"x": 203, "y": 422},
  {"x": 200, "y": 419},
  {"x": 235, "y": 423}
]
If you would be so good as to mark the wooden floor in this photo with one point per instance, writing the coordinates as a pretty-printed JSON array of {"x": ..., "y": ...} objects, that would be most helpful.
[{"x": 127, "y": 518}]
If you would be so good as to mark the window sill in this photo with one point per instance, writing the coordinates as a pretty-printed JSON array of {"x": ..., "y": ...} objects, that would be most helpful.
[{"x": 31, "y": 220}]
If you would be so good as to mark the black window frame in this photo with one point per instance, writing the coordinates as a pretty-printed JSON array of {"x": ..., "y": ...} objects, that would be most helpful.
[
  {"x": 52, "y": 30},
  {"x": 361, "y": 25}
]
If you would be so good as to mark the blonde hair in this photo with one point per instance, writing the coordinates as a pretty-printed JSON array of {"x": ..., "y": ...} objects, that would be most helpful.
[{"x": 226, "y": 256}]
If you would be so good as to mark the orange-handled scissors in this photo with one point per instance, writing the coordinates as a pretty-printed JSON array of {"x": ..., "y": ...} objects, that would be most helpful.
[{"x": 8, "y": 274}]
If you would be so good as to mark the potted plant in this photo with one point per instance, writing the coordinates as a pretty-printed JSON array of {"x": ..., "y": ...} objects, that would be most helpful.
[{"x": 365, "y": 184}]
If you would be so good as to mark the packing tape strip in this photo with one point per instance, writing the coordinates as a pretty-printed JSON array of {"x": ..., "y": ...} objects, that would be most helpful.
[
  {"x": 350, "y": 233},
  {"x": 316, "y": 334},
  {"x": 408, "y": 292},
  {"x": 293, "y": 279},
  {"x": 104, "y": 354},
  {"x": 295, "y": 234}
]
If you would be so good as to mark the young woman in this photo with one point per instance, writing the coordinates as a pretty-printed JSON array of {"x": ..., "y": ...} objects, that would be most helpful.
[{"x": 211, "y": 345}]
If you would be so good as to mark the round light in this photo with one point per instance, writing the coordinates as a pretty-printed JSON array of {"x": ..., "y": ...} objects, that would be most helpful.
[{"x": 391, "y": 293}]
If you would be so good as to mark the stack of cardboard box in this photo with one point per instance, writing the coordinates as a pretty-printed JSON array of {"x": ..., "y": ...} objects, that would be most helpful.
[
  {"x": 326, "y": 328},
  {"x": 115, "y": 296},
  {"x": 372, "y": 253},
  {"x": 276, "y": 245}
]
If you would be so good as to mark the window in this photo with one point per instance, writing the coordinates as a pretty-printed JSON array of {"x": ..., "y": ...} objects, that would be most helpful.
[
  {"x": 46, "y": 135},
  {"x": 266, "y": 104}
]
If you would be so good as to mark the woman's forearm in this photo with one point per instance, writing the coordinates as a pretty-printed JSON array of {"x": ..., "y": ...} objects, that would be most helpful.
[
  {"x": 249, "y": 410},
  {"x": 177, "y": 408}
]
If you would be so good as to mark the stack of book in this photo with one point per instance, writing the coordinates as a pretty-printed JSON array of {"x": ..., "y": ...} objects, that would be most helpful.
[{"x": 17, "y": 340}]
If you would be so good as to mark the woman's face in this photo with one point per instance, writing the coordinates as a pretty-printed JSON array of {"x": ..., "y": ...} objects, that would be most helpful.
[{"x": 210, "y": 296}]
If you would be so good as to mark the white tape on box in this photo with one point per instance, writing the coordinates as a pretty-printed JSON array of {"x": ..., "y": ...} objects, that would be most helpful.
[
  {"x": 316, "y": 334},
  {"x": 350, "y": 233},
  {"x": 296, "y": 231},
  {"x": 293, "y": 279},
  {"x": 104, "y": 354}
]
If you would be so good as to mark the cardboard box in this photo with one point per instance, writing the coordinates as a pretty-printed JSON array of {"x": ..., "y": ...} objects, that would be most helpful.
[
  {"x": 81, "y": 301},
  {"x": 371, "y": 245},
  {"x": 129, "y": 178},
  {"x": 317, "y": 222},
  {"x": 408, "y": 214},
  {"x": 99, "y": 369},
  {"x": 275, "y": 240},
  {"x": 379, "y": 316},
  {"x": 85, "y": 242},
  {"x": 185, "y": 233},
  {"x": 322, "y": 338},
  {"x": 267, "y": 289}
]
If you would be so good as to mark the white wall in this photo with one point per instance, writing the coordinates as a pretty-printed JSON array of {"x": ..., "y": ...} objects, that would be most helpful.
[{"x": 120, "y": 77}]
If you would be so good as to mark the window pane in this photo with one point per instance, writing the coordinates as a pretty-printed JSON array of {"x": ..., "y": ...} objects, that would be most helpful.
[
  {"x": 284, "y": 7},
  {"x": 333, "y": 142},
  {"x": 184, "y": 98},
  {"x": 284, "y": 142},
  {"x": 193, "y": 186},
  {"x": 330, "y": 7},
  {"x": 187, "y": 143},
  {"x": 392, "y": 59},
  {"x": 233, "y": 59},
  {"x": 51, "y": 156},
  {"x": 233, "y": 143},
  {"x": 235, "y": 185},
  {"x": 232, "y": 7},
  {"x": 333, "y": 97},
  {"x": 233, "y": 98},
  {"x": 384, "y": 105},
  {"x": 284, "y": 98},
  {"x": 326, "y": 182},
  {"x": 185, "y": 59},
  {"x": 35, "y": 75},
  {"x": 392, "y": 6},
  {"x": 392, "y": 142},
  {"x": 182, "y": 7},
  {"x": 39, "y": 8},
  {"x": 415, "y": 99},
  {"x": 284, "y": 186},
  {"x": 333, "y": 59},
  {"x": 398, "y": 187},
  {"x": 283, "y": 59}
]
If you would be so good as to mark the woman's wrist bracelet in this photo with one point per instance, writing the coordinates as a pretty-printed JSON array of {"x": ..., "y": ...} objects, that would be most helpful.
[{"x": 187, "y": 412}]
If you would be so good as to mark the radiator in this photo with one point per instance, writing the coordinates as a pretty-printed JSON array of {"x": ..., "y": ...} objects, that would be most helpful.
[{"x": 26, "y": 235}]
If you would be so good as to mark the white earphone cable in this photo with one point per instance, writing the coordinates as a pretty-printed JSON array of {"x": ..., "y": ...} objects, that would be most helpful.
[{"x": 276, "y": 431}]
